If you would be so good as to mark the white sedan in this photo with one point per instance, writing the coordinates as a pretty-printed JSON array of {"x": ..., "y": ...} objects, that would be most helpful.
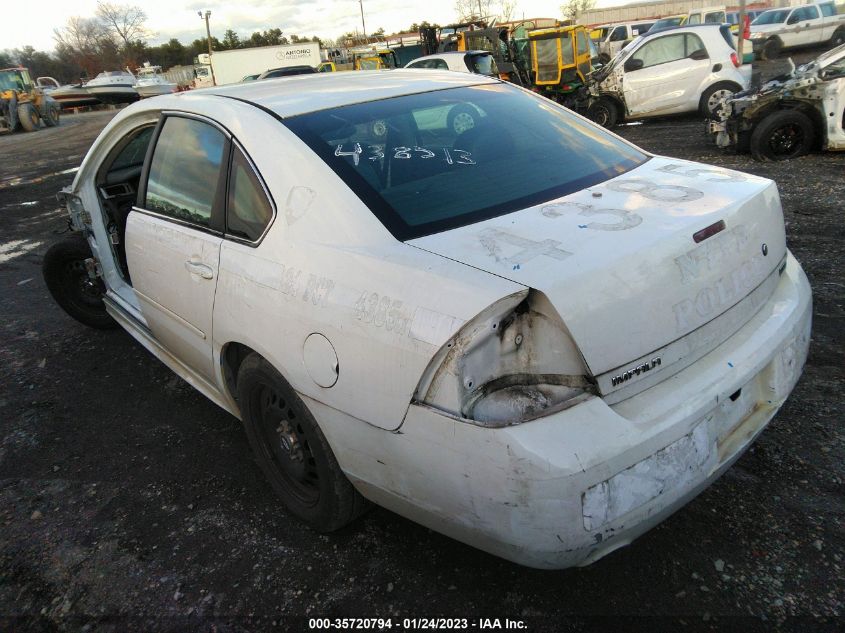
[
  {"x": 480, "y": 62},
  {"x": 529, "y": 335}
]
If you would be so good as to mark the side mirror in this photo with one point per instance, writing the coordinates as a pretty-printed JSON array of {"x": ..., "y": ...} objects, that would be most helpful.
[
  {"x": 633, "y": 64},
  {"x": 699, "y": 54}
]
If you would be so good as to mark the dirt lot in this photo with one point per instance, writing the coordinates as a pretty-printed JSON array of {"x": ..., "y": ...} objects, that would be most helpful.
[{"x": 128, "y": 501}]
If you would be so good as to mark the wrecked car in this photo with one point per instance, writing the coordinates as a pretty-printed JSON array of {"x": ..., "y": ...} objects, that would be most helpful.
[
  {"x": 671, "y": 71},
  {"x": 789, "y": 115},
  {"x": 543, "y": 369}
]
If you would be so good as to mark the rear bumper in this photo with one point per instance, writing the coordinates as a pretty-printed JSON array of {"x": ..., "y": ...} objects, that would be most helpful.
[{"x": 569, "y": 488}]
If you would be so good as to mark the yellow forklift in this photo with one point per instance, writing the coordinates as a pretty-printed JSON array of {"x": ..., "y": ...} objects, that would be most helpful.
[{"x": 23, "y": 104}]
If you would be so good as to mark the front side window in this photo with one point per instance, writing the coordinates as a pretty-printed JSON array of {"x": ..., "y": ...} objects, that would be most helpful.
[
  {"x": 828, "y": 9},
  {"x": 185, "y": 170},
  {"x": 717, "y": 17},
  {"x": 248, "y": 211},
  {"x": 620, "y": 34},
  {"x": 428, "y": 162},
  {"x": 581, "y": 42},
  {"x": 694, "y": 18},
  {"x": 669, "y": 48}
]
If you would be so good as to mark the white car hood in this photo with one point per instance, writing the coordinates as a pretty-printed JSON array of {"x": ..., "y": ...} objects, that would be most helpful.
[{"x": 619, "y": 262}]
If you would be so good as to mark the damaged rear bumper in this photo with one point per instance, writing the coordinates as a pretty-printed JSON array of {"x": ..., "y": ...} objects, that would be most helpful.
[{"x": 569, "y": 488}]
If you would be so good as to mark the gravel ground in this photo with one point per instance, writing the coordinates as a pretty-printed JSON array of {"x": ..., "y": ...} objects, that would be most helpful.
[{"x": 128, "y": 501}]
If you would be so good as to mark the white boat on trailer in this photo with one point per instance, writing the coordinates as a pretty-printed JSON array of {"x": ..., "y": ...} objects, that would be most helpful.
[
  {"x": 151, "y": 82},
  {"x": 68, "y": 95},
  {"x": 113, "y": 87}
]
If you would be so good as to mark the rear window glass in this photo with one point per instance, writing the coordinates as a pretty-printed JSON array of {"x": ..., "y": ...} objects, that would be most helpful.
[{"x": 429, "y": 162}]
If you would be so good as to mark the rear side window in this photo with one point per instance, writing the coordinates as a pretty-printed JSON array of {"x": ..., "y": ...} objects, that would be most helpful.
[
  {"x": 248, "y": 211},
  {"x": 428, "y": 162},
  {"x": 185, "y": 170},
  {"x": 482, "y": 64}
]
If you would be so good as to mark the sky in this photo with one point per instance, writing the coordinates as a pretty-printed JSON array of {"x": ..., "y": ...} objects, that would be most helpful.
[{"x": 178, "y": 18}]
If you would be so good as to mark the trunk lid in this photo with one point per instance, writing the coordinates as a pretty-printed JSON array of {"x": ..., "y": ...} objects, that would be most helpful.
[{"x": 620, "y": 263}]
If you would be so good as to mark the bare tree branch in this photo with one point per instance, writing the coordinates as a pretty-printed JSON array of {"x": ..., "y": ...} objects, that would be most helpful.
[{"x": 123, "y": 21}]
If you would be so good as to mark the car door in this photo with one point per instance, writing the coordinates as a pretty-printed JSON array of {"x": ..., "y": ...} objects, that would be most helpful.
[
  {"x": 173, "y": 236},
  {"x": 664, "y": 74}
]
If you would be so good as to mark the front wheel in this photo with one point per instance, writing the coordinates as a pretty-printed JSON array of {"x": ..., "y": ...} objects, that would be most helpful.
[
  {"x": 28, "y": 117},
  {"x": 604, "y": 112},
  {"x": 292, "y": 451},
  {"x": 67, "y": 280},
  {"x": 782, "y": 135}
]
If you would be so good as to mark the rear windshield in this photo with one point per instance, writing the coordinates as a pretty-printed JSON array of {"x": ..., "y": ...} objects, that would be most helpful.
[{"x": 429, "y": 162}]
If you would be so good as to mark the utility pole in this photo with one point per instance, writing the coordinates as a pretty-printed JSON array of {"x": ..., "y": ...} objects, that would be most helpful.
[
  {"x": 208, "y": 39},
  {"x": 740, "y": 44},
  {"x": 363, "y": 26}
]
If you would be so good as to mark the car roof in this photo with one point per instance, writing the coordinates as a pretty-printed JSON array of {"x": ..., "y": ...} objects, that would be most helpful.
[
  {"x": 300, "y": 94},
  {"x": 683, "y": 27}
]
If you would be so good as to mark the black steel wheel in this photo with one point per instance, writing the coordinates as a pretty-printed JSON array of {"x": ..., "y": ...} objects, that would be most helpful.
[
  {"x": 292, "y": 451},
  {"x": 604, "y": 112},
  {"x": 771, "y": 49},
  {"x": 72, "y": 288},
  {"x": 782, "y": 135}
]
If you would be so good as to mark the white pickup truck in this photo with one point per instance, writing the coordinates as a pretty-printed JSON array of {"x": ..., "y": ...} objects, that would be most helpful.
[{"x": 805, "y": 25}]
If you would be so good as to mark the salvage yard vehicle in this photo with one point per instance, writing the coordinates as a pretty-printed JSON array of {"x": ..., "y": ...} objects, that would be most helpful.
[
  {"x": 543, "y": 369},
  {"x": 780, "y": 29},
  {"x": 23, "y": 103},
  {"x": 676, "y": 70},
  {"x": 788, "y": 116},
  {"x": 562, "y": 60},
  {"x": 480, "y": 62},
  {"x": 612, "y": 38}
]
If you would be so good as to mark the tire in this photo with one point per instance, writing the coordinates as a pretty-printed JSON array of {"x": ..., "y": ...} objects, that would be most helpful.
[
  {"x": 604, "y": 112},
  {"x": 67, "y": 280},
  {"x": 292, "y": 451},
  {"x": 51, "y": 113},
  {"x": 28, "y": 117},
  {"x": 771, "y": 49},
  {"x": 782, "y": 135},
  {"x": 462, "y": 118},
  {"x": 838, "y": 38},
  {"x": 711, "y": 97},
  {"x": 13, "y": 122}
]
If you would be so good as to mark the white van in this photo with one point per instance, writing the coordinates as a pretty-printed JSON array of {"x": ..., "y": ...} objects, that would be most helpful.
[{"x": 612, "y": 38}]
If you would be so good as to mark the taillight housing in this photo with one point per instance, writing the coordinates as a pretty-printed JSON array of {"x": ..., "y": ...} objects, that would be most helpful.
[
  {"x": 512, "y": 363},
  {"x": 735, "y": 60}
]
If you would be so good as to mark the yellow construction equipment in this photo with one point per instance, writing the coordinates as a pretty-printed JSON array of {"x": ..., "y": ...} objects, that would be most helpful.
[{"x": 23, "y": 104}]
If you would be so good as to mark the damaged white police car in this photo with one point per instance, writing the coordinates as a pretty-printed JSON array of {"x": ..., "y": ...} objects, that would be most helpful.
[{"x": 522, "y": 332}]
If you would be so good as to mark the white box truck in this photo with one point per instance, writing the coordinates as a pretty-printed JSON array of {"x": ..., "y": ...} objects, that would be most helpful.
[{"x": 232, "y": 66}]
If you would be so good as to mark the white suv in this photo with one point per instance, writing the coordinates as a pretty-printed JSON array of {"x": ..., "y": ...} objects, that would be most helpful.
[{"x": 676, "y": 70}]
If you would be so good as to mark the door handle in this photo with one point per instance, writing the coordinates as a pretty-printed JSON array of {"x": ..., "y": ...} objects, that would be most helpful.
[{"x": 202, "y": 270}]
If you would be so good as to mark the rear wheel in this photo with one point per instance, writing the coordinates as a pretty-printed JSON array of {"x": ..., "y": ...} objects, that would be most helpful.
[
  {"x": 67, "y": 280},
  {"x": 771, "y": 49},
  {"x": 461, "y": 118},
  {"x": 604, "y": 112},
  {"x": 292, "y": 451},
  {"x": 838, "y": 38},
  {"x": 782, "y": 135},
  {"x": 28, "y": 117},
  {"x": 712, "y": 97},
  {"x": 50, "y": 114}
]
